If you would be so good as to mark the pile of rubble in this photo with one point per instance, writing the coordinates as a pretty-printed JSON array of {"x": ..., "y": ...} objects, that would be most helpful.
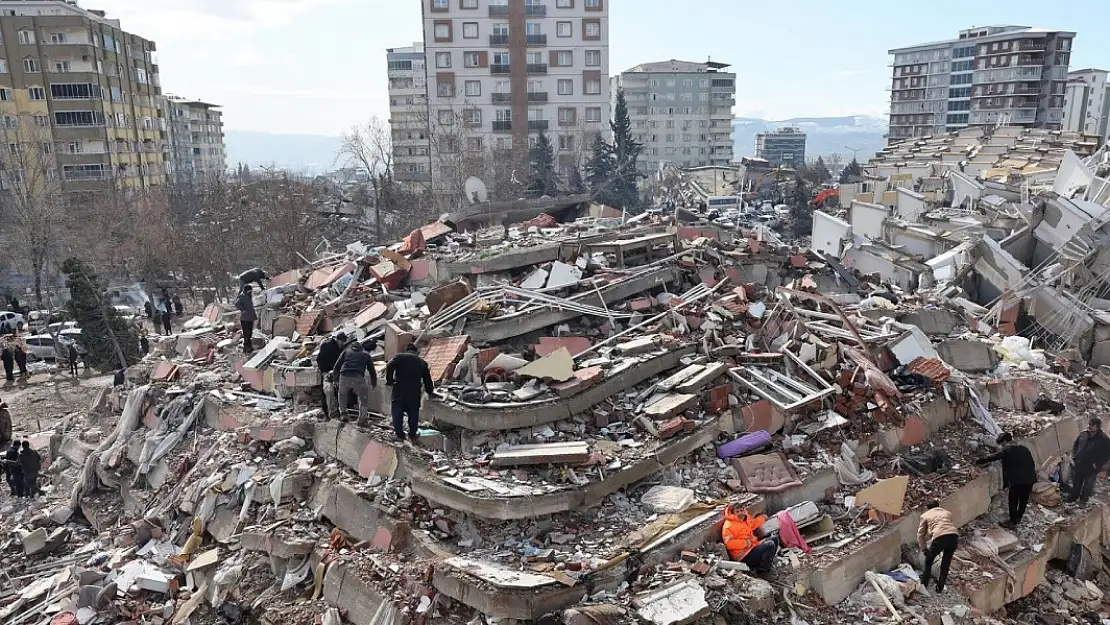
[{"x": 603, "y": 392}]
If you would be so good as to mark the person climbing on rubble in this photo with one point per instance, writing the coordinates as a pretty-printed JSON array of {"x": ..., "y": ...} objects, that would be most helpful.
[
  {"x": 406, "y": 374},
  {"x": 330, "y": 350},
  {"x": 30, "y": 462},
  {"x": 1019, "y": 474},
  {"x": 144, "y": 344},
  {"x": 937, "y": 535},
  {"x": 247, "y": 316},
  {"x": 738, "y": 534},
  {"x": 351, "y": 369},
  {"x": 256, "y": 276},
  {"x": 12, "y": 471},
  {"x": 1090, "y": 453},
  {"x": 1045, "y": 404}
]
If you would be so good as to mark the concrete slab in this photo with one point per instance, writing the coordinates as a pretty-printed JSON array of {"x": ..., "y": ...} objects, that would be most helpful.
[
  {"x": 968, "y": 356},
  {"x": 361, "y": 603}
]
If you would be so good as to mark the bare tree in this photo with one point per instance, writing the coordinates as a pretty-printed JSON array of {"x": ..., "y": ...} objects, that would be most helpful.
[
  {"x": 284, "y": 219},
  {"x": 368, "y": 149},
  {"x": 32, "y": 205}
]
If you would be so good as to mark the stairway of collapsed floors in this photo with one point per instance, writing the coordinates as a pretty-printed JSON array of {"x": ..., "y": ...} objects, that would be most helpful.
[{"x": 602, "y": 395}]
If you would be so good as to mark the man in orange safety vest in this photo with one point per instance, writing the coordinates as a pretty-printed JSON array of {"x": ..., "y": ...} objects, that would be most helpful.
[{"x": 739, "y": 537}]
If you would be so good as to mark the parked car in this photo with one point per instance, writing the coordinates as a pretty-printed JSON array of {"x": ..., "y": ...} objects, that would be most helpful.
[
  {"x": 37, "y": 320},
  {"x": 40, "y": 347},
  {"x": 12, "y": 320},
  {"x": 70, "y": 336},
  {"x": 58, "y": 326}
]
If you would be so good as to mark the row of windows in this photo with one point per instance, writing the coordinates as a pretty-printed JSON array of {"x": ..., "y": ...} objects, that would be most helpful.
[
  {"x": 670, "y": 123},
  {"x": 960, "y": 105},
  {"x": 443, "y": 5},
  {"x": 561, "y": 58},
  {"x": 473, "y": 116},
  {"x": 33, "y": 66},
  {"x": 473, "y": 88},
  {"x": 563, "y": 30},
  {"x": 960, "y": 92}
]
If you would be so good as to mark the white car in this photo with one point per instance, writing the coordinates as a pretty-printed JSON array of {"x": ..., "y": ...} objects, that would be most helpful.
[
  {"x": 40, "y": 347},
  {"x": 59, "y": 326},
  {"x": 71, "y": 336},
  {"x": 12, "y": 320}
]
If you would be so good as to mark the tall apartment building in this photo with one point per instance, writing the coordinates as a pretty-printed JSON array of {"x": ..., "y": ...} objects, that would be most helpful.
[
  {"x": 991, "y": 75},
  {"x": 196, "y": 149},
  {"x": 680, "y": 111},
  {"x": 408, "y": 115},
  {"x": 79, "y": 100},
  {"x": 785, "y": 147},
  {"x": 1087, "y": 103},
  {"x": 501, "y": 71}
]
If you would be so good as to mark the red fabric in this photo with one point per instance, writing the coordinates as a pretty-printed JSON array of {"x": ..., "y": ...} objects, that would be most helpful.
[{"x": 788, "y": 532}]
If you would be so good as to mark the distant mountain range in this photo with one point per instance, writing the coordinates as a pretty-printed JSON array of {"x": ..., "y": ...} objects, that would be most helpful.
[
  {"x": 316, "y": 153},
  {"x": 824, "y": 135}
]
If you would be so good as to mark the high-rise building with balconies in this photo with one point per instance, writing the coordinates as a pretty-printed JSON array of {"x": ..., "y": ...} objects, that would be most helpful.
[
  {"x": 990, "y": 75},
  {"x": 680, "y": 111},
  {"x": 1087, "y": 103},
  {"x": 785, "y": 147},
  {"x": 501, "y": 71},
  {"x": 408, "y": 116},
  {"x": 79, "y": 101},
  {"x": 196, "y": 150}
]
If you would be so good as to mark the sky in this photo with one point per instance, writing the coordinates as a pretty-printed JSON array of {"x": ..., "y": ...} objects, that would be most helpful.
[{"x": 318, "y": 66}]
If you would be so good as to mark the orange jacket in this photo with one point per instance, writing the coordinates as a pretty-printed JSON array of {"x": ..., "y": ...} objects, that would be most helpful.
[{"x": 738, "y": 532}]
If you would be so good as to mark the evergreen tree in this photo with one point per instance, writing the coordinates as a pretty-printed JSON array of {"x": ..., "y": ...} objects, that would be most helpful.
[
  {"x": 801, "y": 212},
  {"x": 851, "y": 171},
  {"x": 600, "y": 173},
  {"x": 106, "y": 336},
  {"x": 576, "y": 183},
  {"x": 543, "y": 179},
  {"x": 821, "y": 173},
  {"x": 625, "y": 152}
]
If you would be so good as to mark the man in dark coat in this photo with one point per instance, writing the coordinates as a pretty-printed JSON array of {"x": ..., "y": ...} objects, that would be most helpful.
[
  {"x": 407, "y": 373},
  {"x": 247, "y": 316},
  {"x": 255, "y": 275},
  {"x": 20, "y": 356},
  {"x": 1019, "y": 473},
  {"x": 5, "y": 424},
  {"x": 30, "y": 462},
  {"x": 1090, "y": 453},
  {"x": 12, "y": 472},
  {"x": 7, "y": 355},
  {"x": 330, "y": 350},
  {"x": 73, "y": 356},
  {"x": 351, "y": 369}
]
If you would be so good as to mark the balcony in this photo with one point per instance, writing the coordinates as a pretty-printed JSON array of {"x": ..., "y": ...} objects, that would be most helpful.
[
  {"x": 537, "y": 96},
  {"x": 499, "y": 10},
  {"x": 498, "y": 41},
  {"x": 500, "y": 69},
  {"x": 537, "y": 124},
  {"x": 502, "y": 126},
  {"x": 535, "y": 10},
  {"x": 500, "y": 98},
  {"x": 537, "y": 68},
  {"x": 537, "y": 40}
]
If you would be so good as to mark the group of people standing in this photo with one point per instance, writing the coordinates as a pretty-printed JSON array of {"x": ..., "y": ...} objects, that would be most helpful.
[
  {"x": 348, "y": 367},
  {"x": 21, "y": 463},
  {"x": 168, "y": 307},
  {"x": 13, "y": 355}
]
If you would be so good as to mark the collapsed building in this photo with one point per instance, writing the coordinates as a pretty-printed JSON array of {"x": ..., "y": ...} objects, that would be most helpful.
[{"x": 603, "y": 392}]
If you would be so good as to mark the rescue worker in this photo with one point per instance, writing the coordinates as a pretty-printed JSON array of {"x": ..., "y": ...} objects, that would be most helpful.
[
  {"x": 405, "y": 374},
  {"x": 247, "y": 316},
  {"x": 255, "y": 275},
  {"x": 738, "y": 534},
  {"x": 12, "y": 472},
  {"x": 1019, "y": 473},
  {"x": 351, "y": 369},
  {"x": 30, "y": 462},
  {"x": 330, "y": 350},
  {"x": 1090, "y": 453},
  {"x": 937, "y": 535}
]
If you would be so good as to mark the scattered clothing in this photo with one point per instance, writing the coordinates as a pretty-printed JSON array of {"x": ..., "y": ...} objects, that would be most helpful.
[{"x": 788, "y": 532}]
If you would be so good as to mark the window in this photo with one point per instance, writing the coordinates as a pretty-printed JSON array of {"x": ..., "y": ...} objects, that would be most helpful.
[
  {"x": 445, "y": 89},
  {"x": 670, "y": 83},
  {"x": 443, "y": 59},
  {"x": 6, "y": 94},
  {"x": 443, "y": 31},
  {"x": 566, "y": 86},
  {"x": 500, "y": 29},
  {"x": 470, "y": 4},
  {"x": 704, "y": 97},
  {"x": 27, "y": 37},
  {"x": 31, "y": 66},
  {"x": 535, "y": 58},
  {"x": 42, "y": 121},
  {"x": 446, "y": 118},
  {"x": 11, "y": 122},
  {"x": 75, "y": 148},
  {"x": 593, "y": 87},
  {"x": 593, "y": 58},
  {"x": 474, "y": 144},
  {"x": 963, "y": 66},
  {"x": 532, "y": 28},
  {"x": 564, "y": 58},
  {"x": 688, "y": 83},
  {"x": 80, "y": 118},
  {"x": 502, "y": 86},
  {"x": 593, "y": 113},
  {"x": 473, "y": 88},
  {"x": 13, "y": 148},
  {"x": 566, "y": 116},
  {"x": 472, "y": 116},
  {"x": 535, "y": 86},
  {"x": 504, "y": 115},
  {"x": 961, "y": 79},
  {"x": 57, "y": 38},
  {"x": 564, "y": 29},
  {"x": 592, "y": 30},
  {"x": 84, "y": 172},
  {"x": 61, "y": 67},
  {"x": 440, "y": 4},
  {"x": 566, "y": 142},
  {"x": 564, "y": 4},
  {"x": 535, "y": 114},
  {"x": 960, "y": 92},
  {"x": 471, "y": 59},
  {"x": 501, "y": 58},
  {"x": 592, "y": 4},
  {"x": 470, "y": 30},
  {"x": 36, "y": 93},
  {"x": 3, "y": 66}
]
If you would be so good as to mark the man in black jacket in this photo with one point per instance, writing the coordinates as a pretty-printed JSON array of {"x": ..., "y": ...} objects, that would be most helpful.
[
  {"x": 330, "y": 351},
  {"x": 351, "y": 369},
  {"x": 1089, "y": 454},
  {"x": 406, "y": 373},
  {"x": 12, "y": 470},
  {"x": 1019, "y": 473},
  {"x": 247, "y": 317}
]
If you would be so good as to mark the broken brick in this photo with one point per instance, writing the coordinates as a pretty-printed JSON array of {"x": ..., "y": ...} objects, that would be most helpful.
[
  {"x": 718, "y": 398},
  {"x": 689, "y": 556},
  {"x": 442, "y": 354},
  {"x": 701, "y": 568},
  {"x": 675, "y": 426}
]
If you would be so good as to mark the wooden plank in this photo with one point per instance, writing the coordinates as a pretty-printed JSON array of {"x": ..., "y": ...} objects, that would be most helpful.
[
  {"x": 701, "y": 380},
  {"x": 547, "y": 453},
  {"x": 670, "y": 405}
]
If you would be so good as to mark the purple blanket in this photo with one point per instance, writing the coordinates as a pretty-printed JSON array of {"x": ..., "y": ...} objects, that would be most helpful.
[{"x": 745, "y": 444}]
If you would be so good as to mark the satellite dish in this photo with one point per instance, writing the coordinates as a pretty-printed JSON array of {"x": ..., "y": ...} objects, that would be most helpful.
[{"x": 475, "y": 190}]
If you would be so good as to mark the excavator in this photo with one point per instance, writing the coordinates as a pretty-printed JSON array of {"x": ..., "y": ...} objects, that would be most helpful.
[{"x": 824, "y": 196}]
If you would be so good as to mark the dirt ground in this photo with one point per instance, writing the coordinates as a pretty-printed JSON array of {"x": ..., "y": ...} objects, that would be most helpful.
[{"x": 39, "y": 403}]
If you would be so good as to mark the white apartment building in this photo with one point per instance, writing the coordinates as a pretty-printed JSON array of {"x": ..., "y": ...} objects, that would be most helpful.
[
  {"x": 408, "y": 115},
  {"x": 991, "y": 75},
  {"x": 1087, "y": 103},
  {"x": 196, "y": 141},
  {"x": 680, "y": 111},
  {"x": 501, "y": 71}
]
